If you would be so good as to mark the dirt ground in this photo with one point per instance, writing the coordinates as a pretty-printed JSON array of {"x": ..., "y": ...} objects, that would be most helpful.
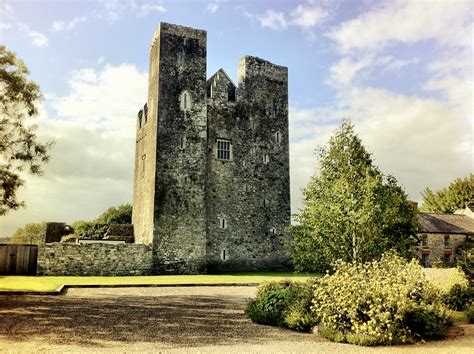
[{"x": 172, "y": 319}]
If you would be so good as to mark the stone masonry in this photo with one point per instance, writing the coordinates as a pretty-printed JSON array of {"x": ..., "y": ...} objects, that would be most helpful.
[
  {"x": 211, "y": 190},
  {"x": 94, "y": 259}
]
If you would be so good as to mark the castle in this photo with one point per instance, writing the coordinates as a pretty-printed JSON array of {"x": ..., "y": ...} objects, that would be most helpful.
[{"x": 211, "y": 186}]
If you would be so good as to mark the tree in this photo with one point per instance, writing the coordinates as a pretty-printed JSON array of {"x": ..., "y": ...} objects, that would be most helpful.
[
  {"x": 30, "y": 233},
  {"x": 20, "y": 149},
  {"x": 351, "y": 211},
  {"x": 458, "y": 195},
  {"x": 97, "y": 228}
]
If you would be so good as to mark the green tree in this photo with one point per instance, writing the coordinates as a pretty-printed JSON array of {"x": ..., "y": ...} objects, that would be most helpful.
[
  {"x": 351, "y": 211},
  {"x": 97, "y": 228},
  {"x": 20, "y": 149},
  {"x": 458, "y": 195},
  {"x": 30, "y": 233}
]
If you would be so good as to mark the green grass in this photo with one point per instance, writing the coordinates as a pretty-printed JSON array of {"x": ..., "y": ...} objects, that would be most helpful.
[{"x": 45, "y": 283}]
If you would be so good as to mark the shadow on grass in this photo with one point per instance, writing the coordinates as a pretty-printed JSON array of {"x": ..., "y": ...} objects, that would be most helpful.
[{"x": 171, "y": 321}]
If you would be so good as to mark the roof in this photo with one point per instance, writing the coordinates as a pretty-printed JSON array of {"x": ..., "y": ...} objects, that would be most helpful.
[
  {"x": 446, "y": 223},
  {"x": 120, "y": 232}
]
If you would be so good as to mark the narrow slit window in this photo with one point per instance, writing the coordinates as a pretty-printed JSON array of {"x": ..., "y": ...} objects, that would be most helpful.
[
  {"x": 145, "y": 112},
  {"x": 140, "y": 115},
  {"x": 225, "y": 255},
  {"x": 273, "y": 231},
  {"x": 223, "y": 149},
  {"x": 223, "y": 223},
  {"x": 278, "y": 137},
  {"x": 182, "y": 142},
  {"x": 266, "y": 158}
]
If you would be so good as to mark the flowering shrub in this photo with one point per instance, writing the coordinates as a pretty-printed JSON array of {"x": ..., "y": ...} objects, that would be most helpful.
[{"x": 371, "y": 303}]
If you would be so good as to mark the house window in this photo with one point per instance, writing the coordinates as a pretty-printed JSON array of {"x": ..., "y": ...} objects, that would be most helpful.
[
  {"x": 182, "y": 142},
  {"x": 278, "y": 137},
  {"x": 186, "y": 179},
  {"x": 143, "y": 162},
  {"x": 424, "y": 260},
  {"x": 225, "y": 255},
  {"x": 266, "y": 158},
  {"x": 424, "y": 242},
  {"x": 447, "y": 241},
  {"x": 223, "y": 149},
  {"x": 223, "y": 223},
  {"x": 273, "y": 231}
]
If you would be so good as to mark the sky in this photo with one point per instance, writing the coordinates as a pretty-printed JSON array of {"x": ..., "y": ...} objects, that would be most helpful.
[{"x": 401, "y": 70}]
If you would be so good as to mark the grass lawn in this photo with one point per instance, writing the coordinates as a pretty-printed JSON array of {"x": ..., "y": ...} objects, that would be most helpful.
[{"x": 32, "y": 283}]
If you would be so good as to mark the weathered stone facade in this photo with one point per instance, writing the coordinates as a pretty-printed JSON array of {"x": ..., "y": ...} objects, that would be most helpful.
[
  {"x": 439, "y": 248},
  {"x": 211, "y": 185},
  {"x": 94, "y": 259}
]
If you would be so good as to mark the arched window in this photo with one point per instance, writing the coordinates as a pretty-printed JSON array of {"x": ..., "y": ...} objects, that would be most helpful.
[{"x": 185, "y": 101}]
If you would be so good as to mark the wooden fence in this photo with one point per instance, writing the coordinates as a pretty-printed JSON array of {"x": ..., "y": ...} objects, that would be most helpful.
[{"x": 18, "y": 259}]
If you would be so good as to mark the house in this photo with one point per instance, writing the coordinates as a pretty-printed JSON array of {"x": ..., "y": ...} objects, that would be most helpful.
[{"x": 442, "y": 234}]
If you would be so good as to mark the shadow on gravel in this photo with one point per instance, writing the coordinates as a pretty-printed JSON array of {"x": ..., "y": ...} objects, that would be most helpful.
[{"x": 177, "y": 321}]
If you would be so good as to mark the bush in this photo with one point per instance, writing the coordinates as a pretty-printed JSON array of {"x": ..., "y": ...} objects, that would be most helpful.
[
  {"x": 425, "y": 322},
  {"x": 369, "y": 303},
  {"x": 465, "y": 261},
  {"x": 470, "y": 314},
  {"x": 284, "y": 303},
  {"x": 459, "y": 298}
]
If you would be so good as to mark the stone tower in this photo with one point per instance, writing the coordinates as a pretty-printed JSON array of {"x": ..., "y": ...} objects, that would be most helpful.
[{"x": 211, "y": 188}]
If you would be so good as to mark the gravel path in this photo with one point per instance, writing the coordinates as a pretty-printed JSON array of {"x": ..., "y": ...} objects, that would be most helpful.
[{"x": 168, "y": 319}]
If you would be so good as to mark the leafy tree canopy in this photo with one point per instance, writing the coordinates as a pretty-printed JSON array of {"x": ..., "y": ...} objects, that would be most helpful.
[
  {"x": 352, "y": 212},
  {"x": 458, "y": 195},
  {"x": 30, "y": 233},
  {"x": 19, "y": 146},
  {"x": 97, "y": 228}
]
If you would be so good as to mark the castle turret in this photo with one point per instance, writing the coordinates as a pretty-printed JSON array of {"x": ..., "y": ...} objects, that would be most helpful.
[{"x": 169, "y": 208}]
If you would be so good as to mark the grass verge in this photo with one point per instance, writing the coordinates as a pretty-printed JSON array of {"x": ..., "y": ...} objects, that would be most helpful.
[{"x": 45, "y": 283}]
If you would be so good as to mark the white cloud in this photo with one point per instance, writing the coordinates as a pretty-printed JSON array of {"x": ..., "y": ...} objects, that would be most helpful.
[
  {"x": 308, "y": 16},
  {"x": 214, "y": 5},
  {"x": 91, "y": 165},
  {"x": 59, "y": 26},
  {"x": 274, "y": 20},
  {"x": 406, "y": 21},
  {"x": 38, "y": 39},
  {"x": 145, "y": 9}
]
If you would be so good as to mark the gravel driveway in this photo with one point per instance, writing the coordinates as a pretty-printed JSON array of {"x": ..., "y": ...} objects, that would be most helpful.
[{"x": 168, "y": 319}]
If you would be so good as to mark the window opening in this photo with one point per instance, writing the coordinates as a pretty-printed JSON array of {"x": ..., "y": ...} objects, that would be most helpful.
[
  {"x": 223, "y": 223},
  {"x": 224, "y": 255},
  {"x": 223, "y": 149}
]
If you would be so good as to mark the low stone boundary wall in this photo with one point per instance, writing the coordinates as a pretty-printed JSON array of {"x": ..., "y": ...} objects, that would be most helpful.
[{"x": 94, "y": 259}]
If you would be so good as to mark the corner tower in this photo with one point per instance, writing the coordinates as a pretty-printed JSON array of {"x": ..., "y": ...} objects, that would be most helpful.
[{"x": 170, "y": 164}]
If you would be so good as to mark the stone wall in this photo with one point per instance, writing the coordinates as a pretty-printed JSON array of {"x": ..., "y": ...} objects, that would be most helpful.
[
  {"x": 94, "y": 259},
  {"x": 434, "y": 248}
]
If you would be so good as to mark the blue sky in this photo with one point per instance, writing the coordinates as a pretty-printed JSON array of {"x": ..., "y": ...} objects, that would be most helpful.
[{"x": 402, "y": 70}]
